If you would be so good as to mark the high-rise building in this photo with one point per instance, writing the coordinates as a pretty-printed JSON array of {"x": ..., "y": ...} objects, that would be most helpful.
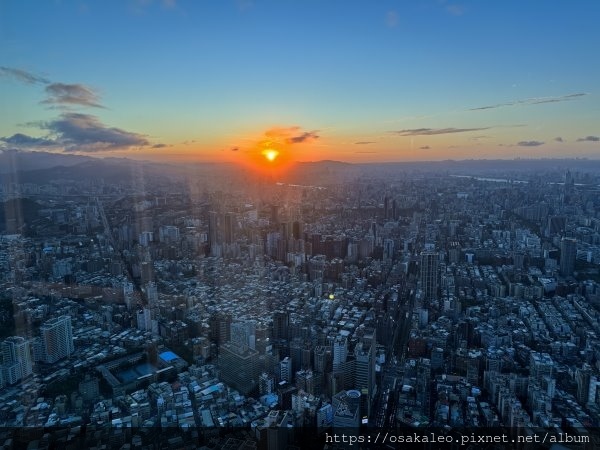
[
  {"x": 239, "y": 367},
  {"x": 274, "y": 214},
  {"x": 322, "y": 358},
  {"x": 364, "y": 371},
  {"x": 212, "y": 231},
  {"x": 386, "y": 203},
  {"x": 583, "y": 377},
  {"x": 145, "y": 238},
  {"x": 229, "y": 226},
  {"x": 57, "y": 339},
  {"x": 281, "y": 323},
  {"x": 17, "y": 359},
  {"x": 297, "y": 230},
  {"x": 429, "y": 274},
  {"x": 285, "y": 369},
  {"x": 151, "y": 293},
  {"x": 568, "y": 254},
  {"x": 266, "y": 384},
  {"x": 423, "y": 389},
  {"x": 168, "y": 234},
  {"x": 340, "y": 352},
  {"x": 146, "y": 272},
  {"x": 305, "y": 381},
  {"x": 556, "y": 225},
  {"x": 388, "y": 249},
  {"x": 569, "y": 187}
]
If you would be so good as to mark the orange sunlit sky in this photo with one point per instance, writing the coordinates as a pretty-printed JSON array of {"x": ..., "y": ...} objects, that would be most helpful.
[{"x": 266, "y": 83}]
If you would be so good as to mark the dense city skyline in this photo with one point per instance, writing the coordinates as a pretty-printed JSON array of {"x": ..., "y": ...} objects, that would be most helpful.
[{"x": 354, "y": 82}]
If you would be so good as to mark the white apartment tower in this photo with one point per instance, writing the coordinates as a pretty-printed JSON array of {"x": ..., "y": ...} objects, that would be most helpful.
[{"x": 57, "y": 339}]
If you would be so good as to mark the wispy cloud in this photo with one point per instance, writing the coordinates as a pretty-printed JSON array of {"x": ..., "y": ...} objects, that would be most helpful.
[
  {"x": 391, "y": 19},
  {"x": 559, "y": 139},
  {"x": 434, "y": 131},
  {"x": 529, "y": 143},
  {"x": 86, "y": 133},
  {"x": 71, "y": 94},
  {"x": 531, "y": 101},
  {"x": 22, "y": 75},
  {"x": 71, "y": 131},
  {"x": 60, "y": 94},
  {"x": 303, "y": 137},
  {"x": 365, "y": 151},
  {"x": 425, "y": 147},
  {"x": 364, "y": 142},
  {"x": 290, "y": 135}
]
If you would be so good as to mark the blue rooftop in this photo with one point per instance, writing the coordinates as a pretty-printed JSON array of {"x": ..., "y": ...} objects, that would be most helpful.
[{"x": 168, "y": 356}]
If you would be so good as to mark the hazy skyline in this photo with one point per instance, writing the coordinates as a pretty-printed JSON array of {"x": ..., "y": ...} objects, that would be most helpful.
[{"x": 349, "y": 81}]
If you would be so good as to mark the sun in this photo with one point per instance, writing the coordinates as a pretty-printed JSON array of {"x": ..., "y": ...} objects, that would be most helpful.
[{"x": 270, "y": 153}]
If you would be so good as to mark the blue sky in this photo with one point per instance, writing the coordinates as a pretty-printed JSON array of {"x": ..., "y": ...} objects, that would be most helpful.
[{"x": 370, "y": 80}]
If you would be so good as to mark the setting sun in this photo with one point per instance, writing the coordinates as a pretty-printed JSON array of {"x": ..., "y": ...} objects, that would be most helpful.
[{"x": 270, "y": 154}]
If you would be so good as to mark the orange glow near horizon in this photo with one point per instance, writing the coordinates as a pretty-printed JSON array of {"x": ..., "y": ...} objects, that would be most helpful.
[{"x": 270, "y": 153}]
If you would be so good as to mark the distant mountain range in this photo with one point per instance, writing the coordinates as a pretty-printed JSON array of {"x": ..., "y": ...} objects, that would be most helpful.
[
  {"x": 12, "y": 161},
  {"x": 43, "y": 167}
]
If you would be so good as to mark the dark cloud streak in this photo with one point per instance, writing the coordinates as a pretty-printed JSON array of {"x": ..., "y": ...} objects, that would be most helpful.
[
  {"x": 307, "y": 136},
  {"x": 22, "y": 75},
  {"x": 434, "y": 131},
  {"x": 529, "y": 143},
  {"x": 531, "y": 101},
  {"x": 589, "y": 139}
]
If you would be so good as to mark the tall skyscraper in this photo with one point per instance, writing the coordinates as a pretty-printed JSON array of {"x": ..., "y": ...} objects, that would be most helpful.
[
  {"x": 340, "y": 352},
  {"x": 569, "y": 187},
  {"x": 423, "y": 389},
  {"x": 429, "y": 274},
  {"x": 17, "y": 360},
  {"x": 229, "y": 226},
  {"x": 212, "y": 231},
  {"x": 386, "y": 209},
  {"x": 364, "y": 370},
  {"x": 57, "y": 339},
  {"x": 583, "y": 377},
  {"x": 568, "y": 254},
  {"x": 285, "y": 369},
  {"x": 297, "y": 229},
  {"x": 281, "y": 323}
]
